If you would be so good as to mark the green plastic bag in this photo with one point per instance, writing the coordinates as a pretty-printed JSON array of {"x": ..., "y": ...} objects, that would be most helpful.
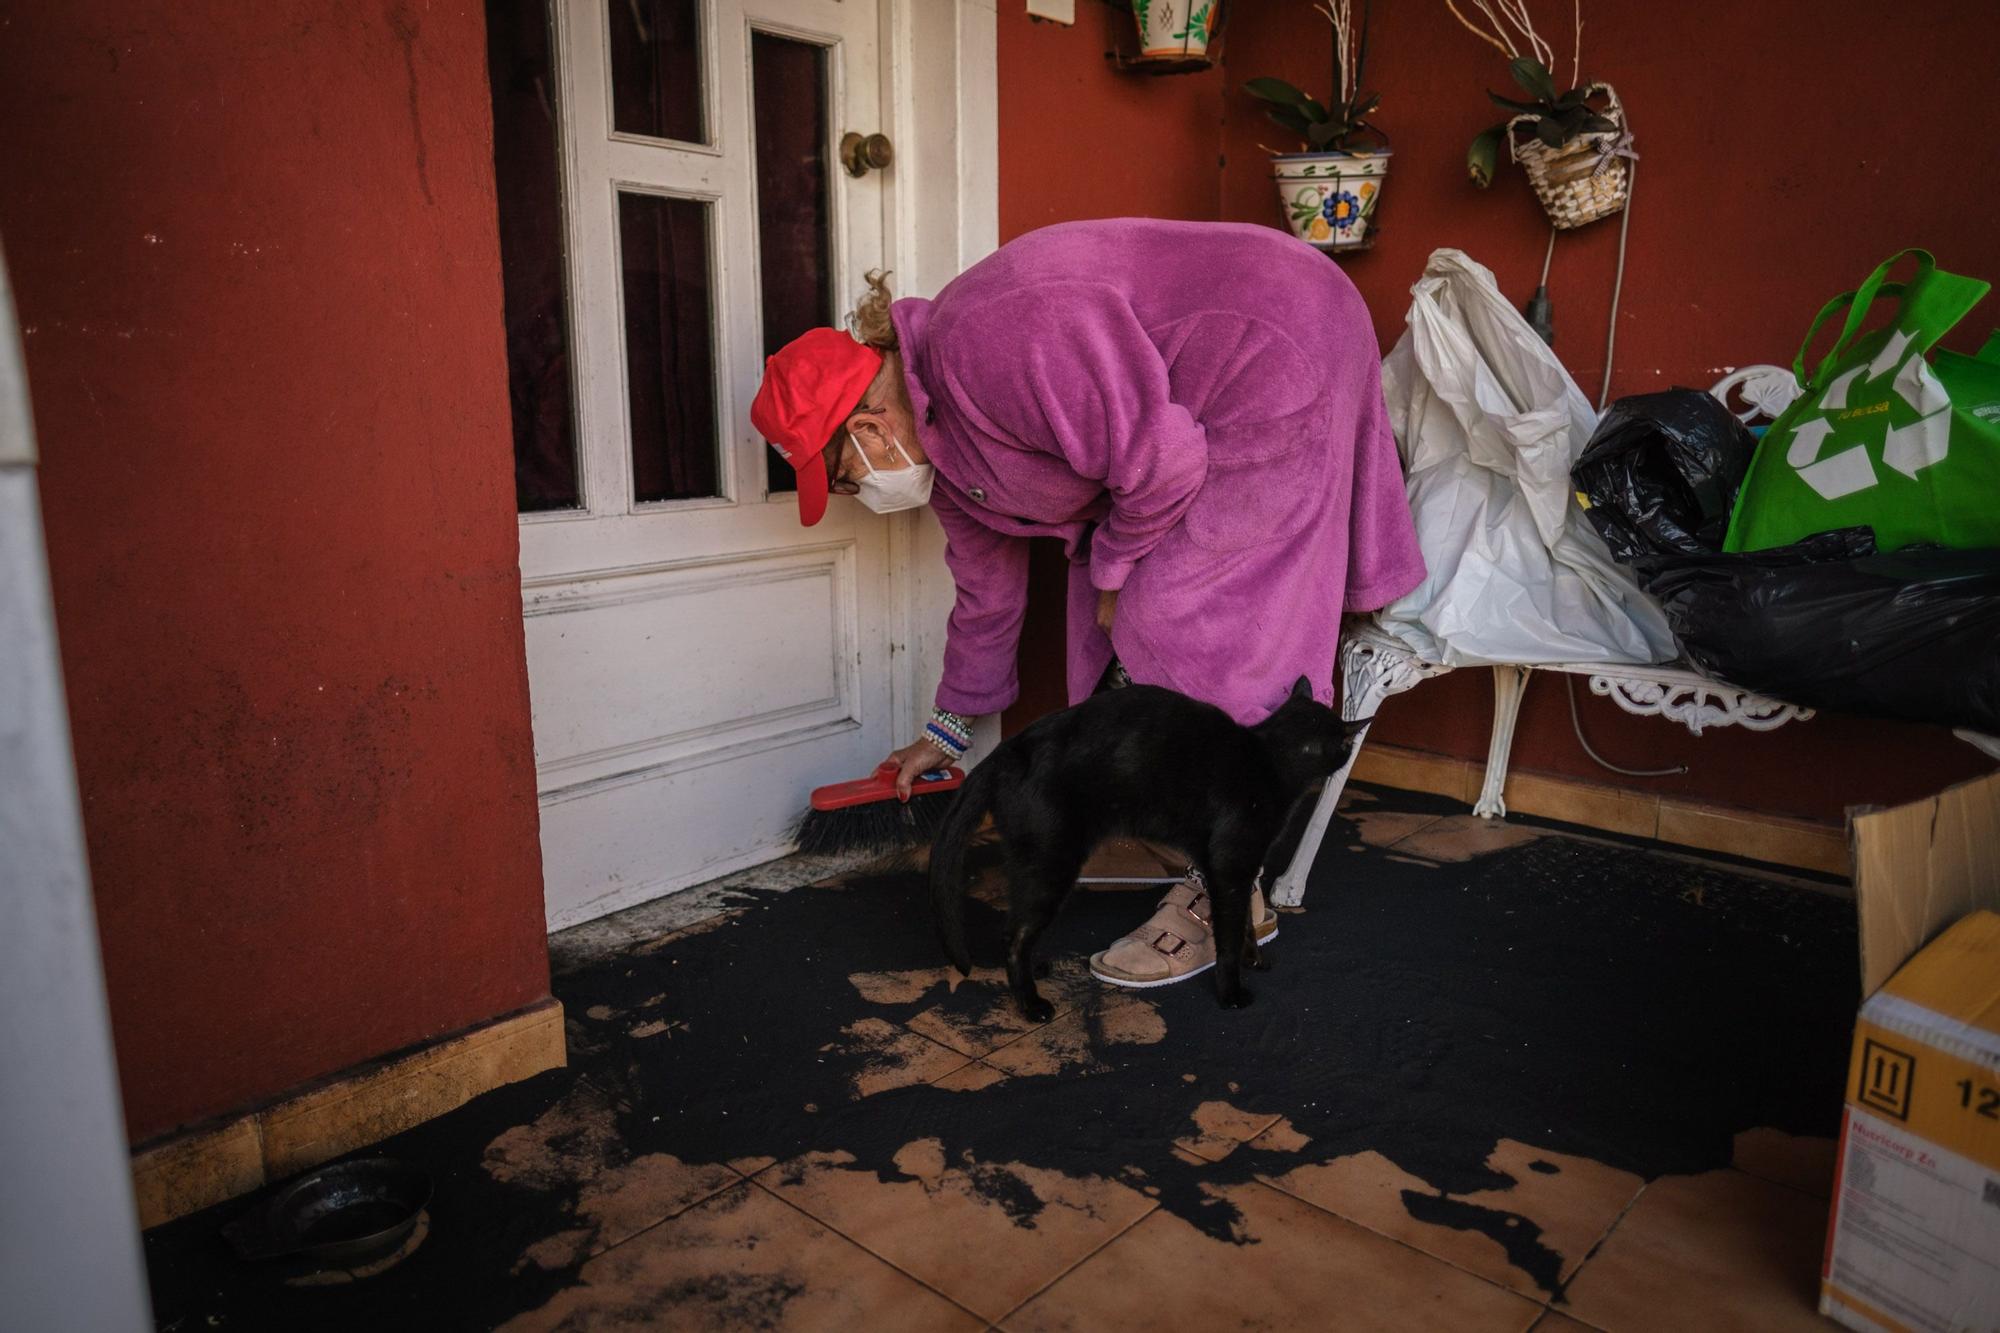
[{"x": 1881, "y": 437}]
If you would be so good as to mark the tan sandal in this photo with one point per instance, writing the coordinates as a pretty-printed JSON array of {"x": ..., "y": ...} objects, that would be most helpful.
[{"x": 1177, "y": 942}]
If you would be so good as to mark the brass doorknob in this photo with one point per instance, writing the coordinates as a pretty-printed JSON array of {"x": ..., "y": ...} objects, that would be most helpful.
[{"x": 860, "y": 152}]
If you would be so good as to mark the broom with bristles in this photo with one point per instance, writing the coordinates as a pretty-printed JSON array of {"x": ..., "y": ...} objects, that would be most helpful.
[{"x": 866, "y": 815}]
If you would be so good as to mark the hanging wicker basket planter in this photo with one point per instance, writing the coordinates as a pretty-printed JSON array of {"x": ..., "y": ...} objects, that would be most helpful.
[{"x": 1584, "y": 180}]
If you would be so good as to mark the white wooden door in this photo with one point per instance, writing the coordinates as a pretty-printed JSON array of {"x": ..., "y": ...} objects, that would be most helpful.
[{"x": 698, "y": 661}]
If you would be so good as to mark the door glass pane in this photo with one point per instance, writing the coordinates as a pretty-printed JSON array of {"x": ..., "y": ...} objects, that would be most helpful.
[
  {"x": 663, "y": 248},
  {"x": 528, "y": 185},
  {"x": 656, "y": 69},
  {"x": 788, "y": 84}
]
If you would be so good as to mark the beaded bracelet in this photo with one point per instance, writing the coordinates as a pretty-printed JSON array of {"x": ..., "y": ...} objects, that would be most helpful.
[{"x": 949, "y": 732}]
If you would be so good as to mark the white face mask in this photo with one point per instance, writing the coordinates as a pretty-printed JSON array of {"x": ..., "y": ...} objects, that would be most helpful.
[{"x": 907, "y": 487}]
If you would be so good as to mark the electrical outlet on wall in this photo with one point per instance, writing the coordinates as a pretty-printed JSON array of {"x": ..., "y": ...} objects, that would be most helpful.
[{"x": 1055, "y": 11}]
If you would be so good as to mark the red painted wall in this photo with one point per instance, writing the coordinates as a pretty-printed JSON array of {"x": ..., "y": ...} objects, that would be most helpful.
[
  {"x": 254, "y": 251},
  {"x": 1078, "y": 139},
  {"x": 1767, "y": 185}
]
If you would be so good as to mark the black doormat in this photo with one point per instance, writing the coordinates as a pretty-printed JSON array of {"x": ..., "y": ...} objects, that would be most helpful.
[{"x": 1582, "y": 998}]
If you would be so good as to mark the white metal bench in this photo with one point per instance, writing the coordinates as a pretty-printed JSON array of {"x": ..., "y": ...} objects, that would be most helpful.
[{"x": 1375, "y": 665}]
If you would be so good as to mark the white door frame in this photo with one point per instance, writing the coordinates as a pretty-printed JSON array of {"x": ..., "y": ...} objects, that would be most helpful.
[
  {"x": 933, "y": 74},
  {"x": 944, "y": 94},
  {"x": 70, "y": 1253}
]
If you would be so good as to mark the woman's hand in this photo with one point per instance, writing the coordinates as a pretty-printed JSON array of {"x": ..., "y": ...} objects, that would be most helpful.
[
  {"x": 914, "y": 760},
  {"x": 1107, "y": 608}
]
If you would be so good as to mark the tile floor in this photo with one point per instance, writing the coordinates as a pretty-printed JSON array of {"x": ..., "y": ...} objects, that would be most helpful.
[
  {"x": 561, "y": 1206},
  {"x": 807, "y": 1244}
]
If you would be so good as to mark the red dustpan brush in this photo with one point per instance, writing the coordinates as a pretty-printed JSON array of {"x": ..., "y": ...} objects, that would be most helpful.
[{"x": 866, "y": 815}]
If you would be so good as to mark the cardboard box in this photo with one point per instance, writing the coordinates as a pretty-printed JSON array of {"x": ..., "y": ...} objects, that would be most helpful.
[
  {"x": 1919, "y": 867},
  {"x": 1914, "y": 1238}
]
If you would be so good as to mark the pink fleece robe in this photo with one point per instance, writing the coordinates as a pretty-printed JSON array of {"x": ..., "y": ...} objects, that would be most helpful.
[{"x": 1195, "y": 409}]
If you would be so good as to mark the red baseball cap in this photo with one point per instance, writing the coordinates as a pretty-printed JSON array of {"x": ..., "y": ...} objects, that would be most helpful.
[{"x": 810, "y": 386}]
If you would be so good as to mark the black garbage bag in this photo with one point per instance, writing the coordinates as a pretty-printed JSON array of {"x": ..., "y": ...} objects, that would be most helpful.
[
  {"x": 1661, "y": 473},
  {"x": 1832, "y": 623}
]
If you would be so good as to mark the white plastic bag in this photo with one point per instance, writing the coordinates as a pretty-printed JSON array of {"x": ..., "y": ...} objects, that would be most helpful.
[{"x": 1489, "y": 423}]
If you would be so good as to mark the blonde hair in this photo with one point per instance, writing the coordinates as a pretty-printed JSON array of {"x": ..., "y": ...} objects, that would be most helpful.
[{"x": 870, "y": 320}]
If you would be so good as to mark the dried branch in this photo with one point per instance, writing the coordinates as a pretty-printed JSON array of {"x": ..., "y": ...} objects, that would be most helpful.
[
  {"x": 1503, "y": 47},
  {"x": 1340, "y": 13},
  {"x": 1576, "y": 53},
  {"x": 1510, "y": 29},
  {"x": 1516, "y": 13}
]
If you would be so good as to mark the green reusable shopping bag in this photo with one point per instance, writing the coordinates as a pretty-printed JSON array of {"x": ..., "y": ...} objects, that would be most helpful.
[{"x": 1880, "y": 437}]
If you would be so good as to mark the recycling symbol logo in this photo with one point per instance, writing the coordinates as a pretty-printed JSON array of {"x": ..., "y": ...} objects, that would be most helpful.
[{"x": 1909, "y": 449}]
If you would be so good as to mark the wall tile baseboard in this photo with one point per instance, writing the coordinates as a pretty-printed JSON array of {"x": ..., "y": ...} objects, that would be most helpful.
[
  {"x": 1760, "y": 837},
  {"x": 207, "y": 1164}
]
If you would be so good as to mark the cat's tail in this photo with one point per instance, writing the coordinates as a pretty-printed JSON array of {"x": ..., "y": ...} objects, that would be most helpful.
[{"x": 968, "y": 807}]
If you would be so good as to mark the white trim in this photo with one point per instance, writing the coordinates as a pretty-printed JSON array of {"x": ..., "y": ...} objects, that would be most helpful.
[
  {"x": 741, "y": 748},
  {"x": 943, "y": 97},
  {"x": 71, "y": 1256}
]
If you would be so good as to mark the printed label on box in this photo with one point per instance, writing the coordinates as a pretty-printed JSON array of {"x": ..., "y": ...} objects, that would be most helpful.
[{"x": 1916, "y": 1231}]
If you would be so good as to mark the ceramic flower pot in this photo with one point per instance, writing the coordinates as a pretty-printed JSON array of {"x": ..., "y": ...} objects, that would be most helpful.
[
  {"x": 1329, "y": 199},
  {"x": 1175, "y": 29}
]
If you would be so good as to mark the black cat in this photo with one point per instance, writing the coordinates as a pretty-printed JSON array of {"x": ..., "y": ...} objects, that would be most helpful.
[{"x": 1141, "y": 762}]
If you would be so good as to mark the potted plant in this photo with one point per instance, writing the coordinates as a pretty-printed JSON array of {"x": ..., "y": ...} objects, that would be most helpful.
[
  {"x": 1330, "y": 189},
  {"x": 1175, "y": 30},
  {"x": 1574, "y": 144}
]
